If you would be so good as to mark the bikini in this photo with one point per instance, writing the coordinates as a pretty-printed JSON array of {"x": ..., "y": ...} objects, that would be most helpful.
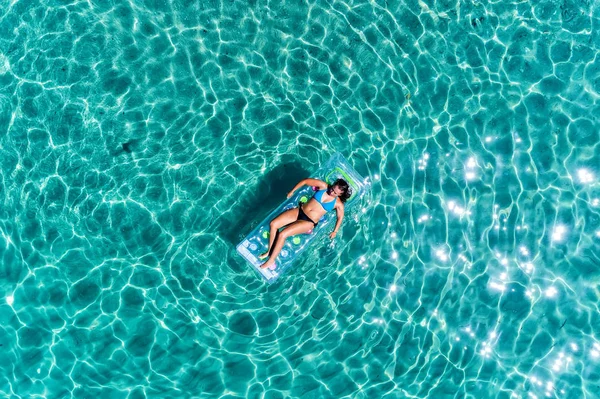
[
  {"x": 326, "y": 205},
  {"x": 302, "y": 216}
]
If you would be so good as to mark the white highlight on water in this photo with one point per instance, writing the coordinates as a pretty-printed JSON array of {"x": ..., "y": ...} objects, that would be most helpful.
[
  {"x": 4, "y": 65},
  {"x": 559, "y": 232},
  {"x": 585, "y": 176}
]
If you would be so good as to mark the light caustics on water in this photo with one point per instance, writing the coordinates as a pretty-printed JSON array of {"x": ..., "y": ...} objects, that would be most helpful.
[{"x": 140, "y": 141}]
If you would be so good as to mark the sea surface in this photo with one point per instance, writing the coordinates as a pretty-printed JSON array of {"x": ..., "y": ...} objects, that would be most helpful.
[{"x": 140, "y": 141}]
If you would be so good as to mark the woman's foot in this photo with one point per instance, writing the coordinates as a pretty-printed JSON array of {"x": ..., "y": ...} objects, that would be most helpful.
[
  {"x": 268, "y": 264},
  {"x": 263, "y": 256}
]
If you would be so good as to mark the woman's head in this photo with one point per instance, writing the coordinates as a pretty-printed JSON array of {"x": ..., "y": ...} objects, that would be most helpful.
[{"x": 341, "y": 189}]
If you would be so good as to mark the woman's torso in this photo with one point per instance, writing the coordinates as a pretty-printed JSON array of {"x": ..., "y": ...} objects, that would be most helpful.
[{"x": 314, "y": 210}]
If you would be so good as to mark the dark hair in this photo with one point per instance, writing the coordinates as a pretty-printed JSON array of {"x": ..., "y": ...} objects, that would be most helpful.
[{"x": 343, "y": 185}]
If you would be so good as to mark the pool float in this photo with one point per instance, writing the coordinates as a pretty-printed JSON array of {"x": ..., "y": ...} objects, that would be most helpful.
[{"x": 256, "y": 242}]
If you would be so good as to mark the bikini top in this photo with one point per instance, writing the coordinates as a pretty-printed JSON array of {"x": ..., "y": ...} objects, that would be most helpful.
[{"x": 326, "y": 205}]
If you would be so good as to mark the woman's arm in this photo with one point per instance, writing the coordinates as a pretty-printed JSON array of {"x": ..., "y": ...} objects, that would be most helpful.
[
  {"x": 339, "y": 210},
  {"x": 308, "y": 182}
]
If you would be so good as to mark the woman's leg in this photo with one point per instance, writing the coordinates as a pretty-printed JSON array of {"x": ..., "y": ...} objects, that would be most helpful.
[
  {"x": 298, "y": 227},
  {"x": 283, "y": 219}
]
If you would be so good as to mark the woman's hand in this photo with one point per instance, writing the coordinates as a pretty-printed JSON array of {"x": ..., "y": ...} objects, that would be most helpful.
[{"x": 333, "y": 234}]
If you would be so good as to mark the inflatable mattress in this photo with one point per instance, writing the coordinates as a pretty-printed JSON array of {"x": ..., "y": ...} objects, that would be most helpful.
[{"x": 337, "y": 167}]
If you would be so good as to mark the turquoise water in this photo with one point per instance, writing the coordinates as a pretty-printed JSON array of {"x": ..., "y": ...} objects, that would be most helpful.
[{"x": 140, "y": 141}]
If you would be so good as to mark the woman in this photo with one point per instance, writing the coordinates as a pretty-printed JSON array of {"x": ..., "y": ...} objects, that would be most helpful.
[{"x": 302, "y": 219}]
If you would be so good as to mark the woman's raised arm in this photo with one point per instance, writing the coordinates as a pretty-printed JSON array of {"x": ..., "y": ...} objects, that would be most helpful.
[{"x": 308, "y": 182}]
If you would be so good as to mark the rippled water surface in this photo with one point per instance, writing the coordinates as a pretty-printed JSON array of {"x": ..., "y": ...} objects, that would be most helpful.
[{"x": 140, "y": 141}]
